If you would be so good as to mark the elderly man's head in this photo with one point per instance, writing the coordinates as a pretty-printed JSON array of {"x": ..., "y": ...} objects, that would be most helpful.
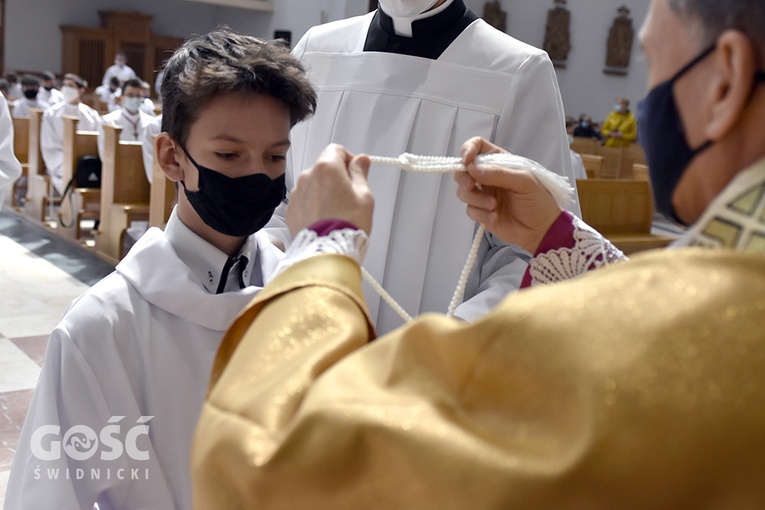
[{"x": 705, "y": 75}]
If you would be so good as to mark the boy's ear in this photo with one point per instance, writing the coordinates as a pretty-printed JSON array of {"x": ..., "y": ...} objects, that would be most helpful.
[{"x": 165, "y": 151}]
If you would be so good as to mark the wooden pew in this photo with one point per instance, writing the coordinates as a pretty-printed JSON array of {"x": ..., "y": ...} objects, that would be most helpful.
[
  {"x": 38, "y": 184},
  {"x": 21, "y": 150},
  {"x": 83, "y": 203},
  {"x": 125, "y": 193},
  {"x": 612, "y": 161},
  {"x": 622, "y": 210},
  {"x": 585, "y": 145},
  {"x": 617, "y": 161},
  {"x": 163, "y": 196},
  {"x": 593, "y": 165}
]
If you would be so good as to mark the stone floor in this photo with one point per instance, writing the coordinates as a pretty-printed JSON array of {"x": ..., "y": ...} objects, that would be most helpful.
[{"x": 40, "y": 274}]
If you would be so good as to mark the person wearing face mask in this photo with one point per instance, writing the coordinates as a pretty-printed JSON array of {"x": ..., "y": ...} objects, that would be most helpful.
[
  {"x": 31, "y": 89},
  {"x": 52, "y": 128},
  {"x": 421, "y": 76},
  {"x": 134, "y": 353},
  {"x": 620, "y": 127},
  {"x": 585, "y": 128},
  {"x": 119, "y": 70},
  {"x": 633, "y": 386},
  {"x": 109, "y": 94},
  {"x": 129, "y": 117},
  {"x": 48, "y": 92}
]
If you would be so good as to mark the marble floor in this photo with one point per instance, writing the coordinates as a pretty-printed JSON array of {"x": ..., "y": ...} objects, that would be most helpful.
[{"x": 40, "y": 274}]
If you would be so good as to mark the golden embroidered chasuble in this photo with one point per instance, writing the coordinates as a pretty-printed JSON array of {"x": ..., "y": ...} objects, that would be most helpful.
[{"x": 640, "y": 385}]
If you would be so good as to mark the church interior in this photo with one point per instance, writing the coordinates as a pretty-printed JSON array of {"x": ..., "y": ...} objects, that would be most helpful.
[{"x": 53, "y": 249}]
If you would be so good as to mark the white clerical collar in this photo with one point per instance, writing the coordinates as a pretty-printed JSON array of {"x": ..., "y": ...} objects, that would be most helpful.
[
  {"x": 205, "y": 260},
  {"x": 403, "y": 26}
]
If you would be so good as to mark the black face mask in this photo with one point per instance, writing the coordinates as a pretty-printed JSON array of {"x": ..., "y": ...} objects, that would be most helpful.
[
  {"x": 30, "y": 93},
  {"x": 235, "y": 207},
  {"x": 662, "y": 135},
  {"x": 48, "y": 88}
]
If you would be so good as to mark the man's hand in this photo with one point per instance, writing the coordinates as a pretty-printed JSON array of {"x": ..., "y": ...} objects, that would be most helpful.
[
  {"x": 335, "y": 187},
  {"x": 510, "y": 203}
]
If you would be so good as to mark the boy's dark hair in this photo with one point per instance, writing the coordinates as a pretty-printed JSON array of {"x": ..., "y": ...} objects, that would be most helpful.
[
  {"x": 30, "y": 81},
  {"x": 132, "y": 82},
  {"x": 4, "y": 84},
  {"x": 11, "y": 77},
  {"x": 114, "y": 81},
  {"x": 224, "y": 61},
  {"x": 79, "y": 81},
  {"x": 48, "y": 75}
]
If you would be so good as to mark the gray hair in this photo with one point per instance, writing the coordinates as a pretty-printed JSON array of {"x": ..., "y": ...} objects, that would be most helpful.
[{"x": 717, "y": 16}]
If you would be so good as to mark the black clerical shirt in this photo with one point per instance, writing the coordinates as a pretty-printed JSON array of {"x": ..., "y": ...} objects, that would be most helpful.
[{"x": 430, "y": 36}]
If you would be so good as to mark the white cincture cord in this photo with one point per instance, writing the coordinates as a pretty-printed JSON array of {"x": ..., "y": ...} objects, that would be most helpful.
[{"x": 557, "y": 185}]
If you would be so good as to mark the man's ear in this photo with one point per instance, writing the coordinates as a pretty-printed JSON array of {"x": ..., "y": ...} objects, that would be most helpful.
[
  {"x": 167, "y": 157},
  {"x": 735, "y": 63}
]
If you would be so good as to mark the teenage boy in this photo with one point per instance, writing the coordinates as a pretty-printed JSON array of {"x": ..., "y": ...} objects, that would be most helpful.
[
  {"x": 128, "y": 116},
  {"x": 127, "y": 368},
  {"x": 52, "y": 128},
  {"x": 30, "y": 87}
]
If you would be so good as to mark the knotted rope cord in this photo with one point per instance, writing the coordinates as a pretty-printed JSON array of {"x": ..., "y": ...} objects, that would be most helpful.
[{"x": 558, "y": 186}]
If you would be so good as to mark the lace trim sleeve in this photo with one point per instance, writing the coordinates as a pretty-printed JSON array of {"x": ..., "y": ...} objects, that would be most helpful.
[
  {"x": 590, "y": 251},
  {"x": 307, "y": 243}
]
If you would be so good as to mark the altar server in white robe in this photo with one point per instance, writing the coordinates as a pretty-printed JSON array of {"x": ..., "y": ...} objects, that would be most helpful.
[
  {"x": 126, "y": 370},
  {"x": 49, "y": 93},
  {"x": 119, "y": 70},
  {"x": 31, "y": 90},
  {"x": 423, "y": 76},
  {"x": 10, "y": 168},
  {"x": 128, "y": 116},
  {"x": 52, "y": 129}
]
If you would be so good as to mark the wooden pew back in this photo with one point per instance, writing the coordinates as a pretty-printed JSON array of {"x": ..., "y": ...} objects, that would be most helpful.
[
  {"x": 162, "y": 196},
  {"x": 622, "y": 210},
  {"x": 593, "y": 165},
  {"x": 123, "y": 176},
  {"x": 21, "y": 139},
  {"x": 125, "y": 192},
  {"x": 38, "y": 182},
  {"x": 34, "y": 150},
  {"x": 616, "y": 206},
  {"x": 584, "y": 145}
]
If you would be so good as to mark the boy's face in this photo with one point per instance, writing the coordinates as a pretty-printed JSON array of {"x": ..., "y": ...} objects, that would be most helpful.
[{"x": 238, "y": 134}]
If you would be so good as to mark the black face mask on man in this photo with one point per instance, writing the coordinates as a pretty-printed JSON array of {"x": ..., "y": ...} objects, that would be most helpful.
[
  {"x": 236, "y": 207},
  {"x": 662, "y": 135},
  {"x": 30, "y": 93}
]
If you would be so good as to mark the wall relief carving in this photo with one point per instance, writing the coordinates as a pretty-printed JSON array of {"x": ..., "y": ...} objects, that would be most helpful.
[
  {"x": 557, "y": 33},
  {"x": 620, "y": 39},
  {"x": 494, "y": 15}
]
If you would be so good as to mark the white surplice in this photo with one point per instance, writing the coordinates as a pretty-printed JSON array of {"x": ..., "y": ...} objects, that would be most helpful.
[
  {"x": 10, "y": 168},
  {"x": 484, "y": 84},
  {"x": 141, "y": 342}
]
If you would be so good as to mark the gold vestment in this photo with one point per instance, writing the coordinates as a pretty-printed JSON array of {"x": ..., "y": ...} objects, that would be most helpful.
[{"x": 641, "y": 385}]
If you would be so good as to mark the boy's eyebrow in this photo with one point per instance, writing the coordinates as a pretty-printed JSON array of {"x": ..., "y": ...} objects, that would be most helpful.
[{"x": 231, "y": 138}]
